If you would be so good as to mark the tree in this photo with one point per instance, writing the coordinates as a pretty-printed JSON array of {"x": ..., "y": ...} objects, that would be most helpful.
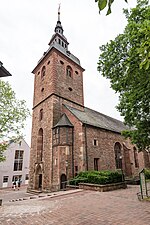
[
  {"x": 102, "y": 4},
  {"x": 13, "y": 114},
  {"x": 125, "y": 61}
]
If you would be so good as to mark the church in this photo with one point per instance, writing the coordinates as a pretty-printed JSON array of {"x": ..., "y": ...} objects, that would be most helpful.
[{"x": 68, "y": 137}]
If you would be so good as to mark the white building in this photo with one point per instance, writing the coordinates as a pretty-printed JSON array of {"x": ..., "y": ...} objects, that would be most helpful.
[{"x": 16, "y": 164}]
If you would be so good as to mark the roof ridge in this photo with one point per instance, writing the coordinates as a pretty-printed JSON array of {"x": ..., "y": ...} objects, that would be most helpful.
[
  {"x": 104, "y": 114},
  {"x": 97, "y": 119}
]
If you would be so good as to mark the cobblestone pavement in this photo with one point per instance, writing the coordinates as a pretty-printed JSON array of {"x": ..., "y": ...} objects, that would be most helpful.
[{"x": 120, "y": 207}]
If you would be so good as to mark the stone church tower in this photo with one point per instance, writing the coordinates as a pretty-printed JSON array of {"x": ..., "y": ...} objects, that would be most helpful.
[
  {"x": 58, "y": 81},
  {"x": 68, "y": 137}
]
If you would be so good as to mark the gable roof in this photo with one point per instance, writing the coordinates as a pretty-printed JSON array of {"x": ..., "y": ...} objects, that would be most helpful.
[
  {"x": 97, "y": 119},
  {"x": 3, "y": 71},
  {"x": 63, "y": 122}
]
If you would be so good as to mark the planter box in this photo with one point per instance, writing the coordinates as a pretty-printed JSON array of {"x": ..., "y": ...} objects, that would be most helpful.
[
  {"x": 71, "y": 187},
  {"x": 102, "y": 188}
]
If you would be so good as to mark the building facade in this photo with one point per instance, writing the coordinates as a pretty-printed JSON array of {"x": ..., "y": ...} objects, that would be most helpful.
[
  {"x": 16, "y": 164},
  {"x": 68, "y": 137}
]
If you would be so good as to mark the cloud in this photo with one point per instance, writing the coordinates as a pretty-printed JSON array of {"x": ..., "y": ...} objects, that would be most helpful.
[{"x": 26, "y": 27}]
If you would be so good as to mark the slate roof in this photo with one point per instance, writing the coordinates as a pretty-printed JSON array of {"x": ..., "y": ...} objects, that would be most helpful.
[
  {"x": 97, "y": 119},
  {"x": 63, "y": 51},
  {"x": 3, "y": 71},
  {"x": 63, "y": 122}
]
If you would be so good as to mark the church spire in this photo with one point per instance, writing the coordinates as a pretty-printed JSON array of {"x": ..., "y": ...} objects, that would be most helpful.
[
  {"x": 59, "y": 12},
  {"x": 58, "y": 38},
  {"x": 59, "y": 28}
]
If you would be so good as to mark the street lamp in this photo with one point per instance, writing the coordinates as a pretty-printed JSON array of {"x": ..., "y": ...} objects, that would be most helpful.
[
  {"x": 66, "y": 168},
  {"x": 66, "y": 162},
  {"x": 120, "y": 159}
]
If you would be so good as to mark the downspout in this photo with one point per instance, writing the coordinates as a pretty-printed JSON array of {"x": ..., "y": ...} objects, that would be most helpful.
[
  {"x": 72, "y": 152},
  {"x": 52, "y": 160},
  {"x": 86, "y": 152}
]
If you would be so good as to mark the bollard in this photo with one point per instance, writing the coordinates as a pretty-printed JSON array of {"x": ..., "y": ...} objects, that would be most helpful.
[{"x": 0, "y": 202}]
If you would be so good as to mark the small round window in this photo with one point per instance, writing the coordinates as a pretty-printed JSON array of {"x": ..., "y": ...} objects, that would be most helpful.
[{"x": 70, "y": 89}]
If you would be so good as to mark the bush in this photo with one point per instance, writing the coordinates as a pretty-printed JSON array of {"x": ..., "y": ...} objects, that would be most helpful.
[
  {"x": 97, "y": 177},
  {"x": 77, "y": 180},
  {"x": 147, "y": 173}
]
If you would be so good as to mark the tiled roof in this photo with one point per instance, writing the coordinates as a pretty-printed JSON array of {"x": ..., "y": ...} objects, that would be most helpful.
[
  {"x": 63, "y": 51},
  {"x": 63, "y": 122},
  {"x": 3, "y": 71},
  {"x": 97, "y": 119}
]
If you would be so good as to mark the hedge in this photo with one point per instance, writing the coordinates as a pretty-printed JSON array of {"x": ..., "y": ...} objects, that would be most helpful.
[
  {"x": 147, "y": 173},
  {"x": 97, "y": 177}
]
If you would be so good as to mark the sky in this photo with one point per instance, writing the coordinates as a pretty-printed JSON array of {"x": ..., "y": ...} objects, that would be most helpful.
[{"x": 26, "y": 26}]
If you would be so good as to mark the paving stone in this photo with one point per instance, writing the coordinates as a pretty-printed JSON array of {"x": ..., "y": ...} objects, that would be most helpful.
[{"x": 119, "y": 207}]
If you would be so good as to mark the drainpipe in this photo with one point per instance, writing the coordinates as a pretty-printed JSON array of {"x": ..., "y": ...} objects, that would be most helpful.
[
  {"x": 52, "y": 160},
  {"x": 73, "y": 152},
  {"x": 86, "y": 152}
]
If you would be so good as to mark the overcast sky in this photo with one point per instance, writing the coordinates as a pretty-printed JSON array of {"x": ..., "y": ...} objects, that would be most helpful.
[{"x": 26, "y": 27}]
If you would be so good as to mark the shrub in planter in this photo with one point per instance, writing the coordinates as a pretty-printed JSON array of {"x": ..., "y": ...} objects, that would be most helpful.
[
  {"x": 78, "y": 180},
  {"x": 97, "y": 177},
  {"x": 115, "y": 177}
]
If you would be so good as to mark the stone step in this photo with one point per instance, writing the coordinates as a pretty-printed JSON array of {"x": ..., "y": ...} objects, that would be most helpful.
[
  {"x": 36, "y": 192},
  {"x": 132, "y": 180}
]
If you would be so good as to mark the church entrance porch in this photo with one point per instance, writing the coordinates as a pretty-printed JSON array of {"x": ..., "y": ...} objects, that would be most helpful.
[{"x": 38, "y": 177}]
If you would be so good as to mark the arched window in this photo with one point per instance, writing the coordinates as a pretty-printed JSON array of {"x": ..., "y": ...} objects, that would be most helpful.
[
  {"x": 43, "y": 72},
  {"x": 118, "y": 155},
  {"x": 40, "y": 145},
  {"x": 41, "y": 115},
  {"x": 69, "y": 71},
  {"x": 136, "y": 157}
]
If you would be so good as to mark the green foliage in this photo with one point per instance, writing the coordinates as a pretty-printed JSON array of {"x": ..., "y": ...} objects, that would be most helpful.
[
  {"x": 102, "y": 4},
  {"x": 125, "y": 61},
  {"x": 78, "y": 180},
  {"x": 13, "y": 114},
  {"x": 147, "y": 173},
  {"x": 97, "y": 177}
]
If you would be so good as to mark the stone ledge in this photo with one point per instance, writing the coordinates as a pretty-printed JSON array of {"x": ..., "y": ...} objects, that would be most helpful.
[
  {"x": 102, "y": 188},
  {"x": 71, "y": 187}
]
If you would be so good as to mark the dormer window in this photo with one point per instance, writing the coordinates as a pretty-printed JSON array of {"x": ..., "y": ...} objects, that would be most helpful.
[
  {"x": 69, "y": 71},
  {"x": 43, "y": 72}
]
